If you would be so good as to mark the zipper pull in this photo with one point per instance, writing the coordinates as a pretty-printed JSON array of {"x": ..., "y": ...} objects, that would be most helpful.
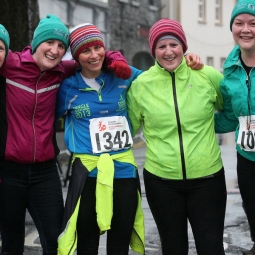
[{"x": 248, "y": 83}]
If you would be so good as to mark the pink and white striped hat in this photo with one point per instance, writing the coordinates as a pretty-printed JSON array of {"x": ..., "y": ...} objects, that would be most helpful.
[
  {"x": 84, "y": 36},
  {"x": 165, "y": 27}
]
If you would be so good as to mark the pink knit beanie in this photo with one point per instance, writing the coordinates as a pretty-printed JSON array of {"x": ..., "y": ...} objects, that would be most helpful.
[
  {"x": 84, "y": 36},
  {"x": 166, "y": 27}
]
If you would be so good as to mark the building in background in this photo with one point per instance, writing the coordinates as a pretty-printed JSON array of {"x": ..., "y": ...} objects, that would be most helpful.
[
  {"x": 124, "y": 23},
  {"x": 130, "y": 24},
  {"x": 206, "y": 24},
  {"x": 74, "y": 12}
]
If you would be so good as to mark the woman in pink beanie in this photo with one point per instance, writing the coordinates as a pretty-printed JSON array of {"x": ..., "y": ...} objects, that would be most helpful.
[{"x": 183, "y": 172}]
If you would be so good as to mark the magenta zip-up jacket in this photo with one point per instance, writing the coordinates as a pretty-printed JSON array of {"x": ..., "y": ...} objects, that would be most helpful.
[{"x": 27, "y": 107}]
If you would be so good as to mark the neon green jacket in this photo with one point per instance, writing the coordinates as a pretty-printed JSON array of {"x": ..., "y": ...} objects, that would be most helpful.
[
  {"x": 67, "y": 240},
  {"x": 177, "y": 113}
]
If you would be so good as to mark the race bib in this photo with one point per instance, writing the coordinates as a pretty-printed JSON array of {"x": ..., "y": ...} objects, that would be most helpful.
[
  {"x": 110, "y": 134},
  {"x": 246, "y": 134}
]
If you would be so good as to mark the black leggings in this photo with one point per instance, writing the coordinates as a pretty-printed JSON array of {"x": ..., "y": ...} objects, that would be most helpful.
[
  {"x": 201, "y": 201},
  {"x": 35, "y": 187},
  {"x": 246, "y": 182},
  {"x": 124, "y": 209}
]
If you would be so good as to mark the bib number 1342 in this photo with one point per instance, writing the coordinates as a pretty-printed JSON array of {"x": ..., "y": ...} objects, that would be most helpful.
[{"x": 110, "y": 133}]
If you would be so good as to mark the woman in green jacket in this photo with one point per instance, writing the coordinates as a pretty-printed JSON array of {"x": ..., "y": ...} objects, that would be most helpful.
[
  {"x": 238, "y": 90},
  {"x": 183, "y": 172}
]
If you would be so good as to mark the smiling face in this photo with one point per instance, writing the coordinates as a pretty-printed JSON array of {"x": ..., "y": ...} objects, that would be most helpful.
[
  {"x": 243, "y": 31},
  {"x": 169, "y": 54},
  {"x": 91, "y": 60},
  {"x": 2, "y": 52},
  {"x": 48, "y": 54}
]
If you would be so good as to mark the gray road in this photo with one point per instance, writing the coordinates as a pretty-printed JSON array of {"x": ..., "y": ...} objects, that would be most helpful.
[{"x": 236, "y": 234}]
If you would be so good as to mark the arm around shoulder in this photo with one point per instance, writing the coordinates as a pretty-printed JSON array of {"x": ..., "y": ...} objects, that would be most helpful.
[
  {"x": 225, "y": 120},
  {"x": 61, "y": 105},
  {"x": 215, "y": 78},
  {"x": 134, "y": 109}
]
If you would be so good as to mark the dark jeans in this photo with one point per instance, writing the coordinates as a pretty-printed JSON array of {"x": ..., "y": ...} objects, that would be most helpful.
[
  {"x": 124, "y": 209},
  {"x": 201, "y": 201},
  {"x": 35, "y": 187},
  {"x": 246, "y": 182}
]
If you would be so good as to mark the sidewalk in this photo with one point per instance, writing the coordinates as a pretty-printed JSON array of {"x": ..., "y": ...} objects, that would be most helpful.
[{"x": 236, "y": 234}]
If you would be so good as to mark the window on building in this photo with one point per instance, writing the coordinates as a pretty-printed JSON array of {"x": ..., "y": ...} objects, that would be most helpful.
[
  {"x": 218, "y": 11},
  {"x": 209, "y": 61},
  {"x": 222, "y": 61},
  {"x": 58, "y": 8},
  {"x": 153, "y": 5},
  {"x": 79, "y": 17},
  {"x": 201, "y": 10}
]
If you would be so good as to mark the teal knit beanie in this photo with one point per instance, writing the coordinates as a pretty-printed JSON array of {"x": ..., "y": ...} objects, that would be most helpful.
[
  {"x": 242, "y": 6},
  {"x": 50, "y": 28},
  {"x": 4, "y": 36}
]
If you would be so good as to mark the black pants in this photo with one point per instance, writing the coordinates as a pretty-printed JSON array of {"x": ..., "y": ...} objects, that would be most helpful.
[
  {"x": 201, "y": 201},
  {"x": 124, "y": 209},
  {"x": 35, "y": 187},
  {"x": 246, "y": 182}
]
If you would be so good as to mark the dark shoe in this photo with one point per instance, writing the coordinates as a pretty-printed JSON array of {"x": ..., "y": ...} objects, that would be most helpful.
[{"x": 250, "y": 252}]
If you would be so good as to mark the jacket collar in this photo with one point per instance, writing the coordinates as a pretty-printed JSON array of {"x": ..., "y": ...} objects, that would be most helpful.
[
  {"x": 180, "y": 71},
  {"x": 100, "y": 79},
  {"x": 233, "y": 58}
]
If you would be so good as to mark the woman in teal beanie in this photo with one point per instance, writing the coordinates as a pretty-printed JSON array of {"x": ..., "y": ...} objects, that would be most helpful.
[
  {"x": 29, "y": 177},
  {"x": 46, "y": 30},
  {"x": 238, "y": 90}
]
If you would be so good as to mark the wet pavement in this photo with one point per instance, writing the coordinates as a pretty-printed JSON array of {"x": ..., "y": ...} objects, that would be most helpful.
[{"x": 236, "y": 234}]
